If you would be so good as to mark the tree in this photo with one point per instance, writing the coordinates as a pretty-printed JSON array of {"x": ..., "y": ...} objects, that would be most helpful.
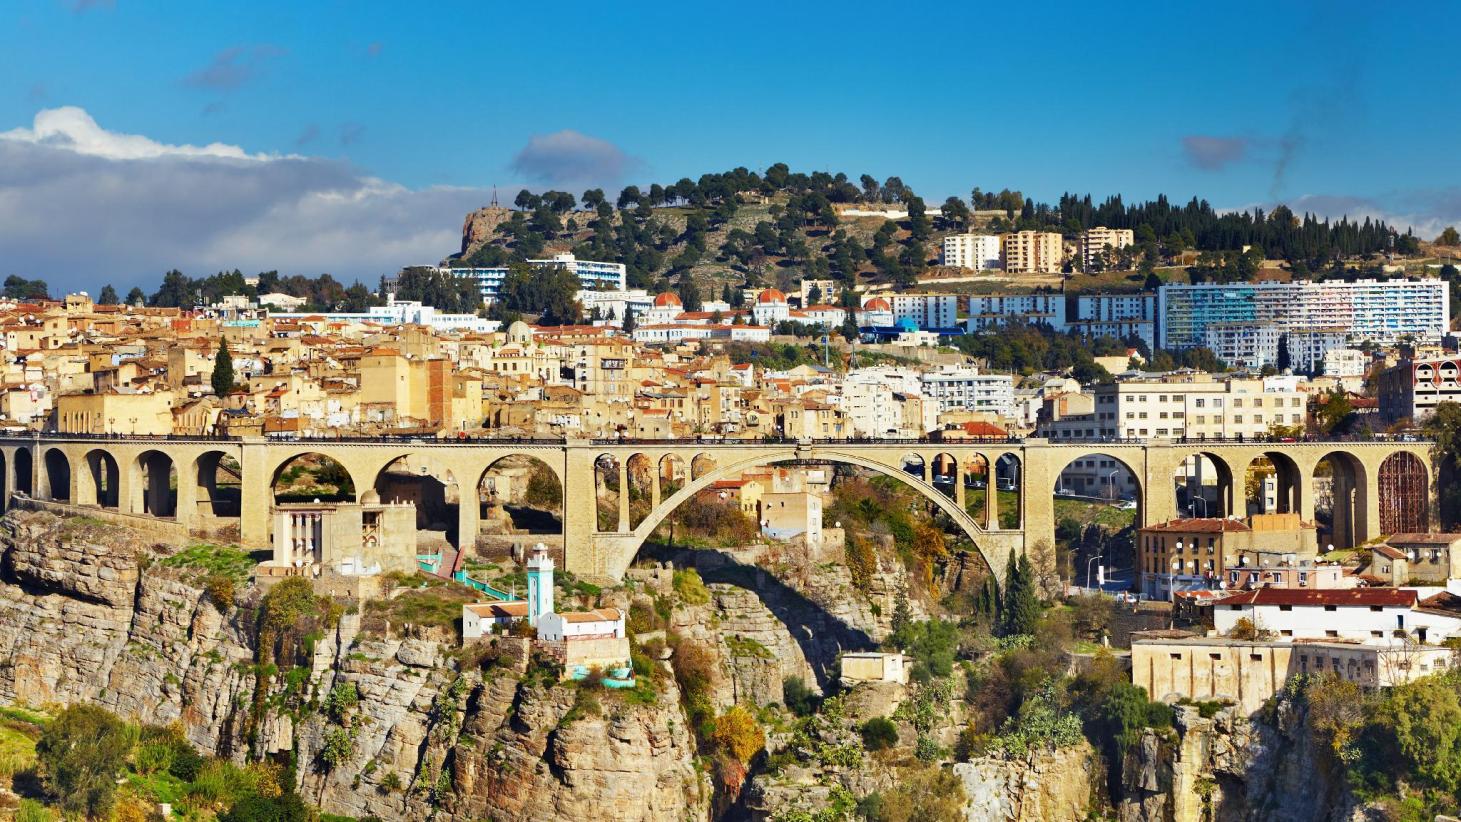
[
  {"x": 21, "y": 289},
  {"x": 108, "y": 295},
  {"x": 879, "y": 734},
  {"x": 630, "y": 323},
  {"x": 78, "y": 757},
  {"x": 136, "y": 296},
  {"x": 689, "y": 293},
  {"x": 738, "y": 734},
  {"x": 797, "y": 697},
  {"x": 1334, "y": 414},
  {"x": 1444, "y": 428},
  {"x": 176, "y": 291},
  {"x": 1020, "y": 608},
  {"x": 1449, "y": 237},
  {"x": 222, "y": 380},
  {"x": 287, "y": 807},
  {"x": 551, "y": 293}
]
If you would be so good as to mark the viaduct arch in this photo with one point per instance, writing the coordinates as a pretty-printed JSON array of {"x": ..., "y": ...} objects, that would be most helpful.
[{"x": 99, "y": 473}]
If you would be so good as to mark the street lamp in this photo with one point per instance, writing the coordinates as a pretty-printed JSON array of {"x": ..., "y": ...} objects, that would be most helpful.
[
  {"x": 1111, "y": 482},
  {"x": 1088, "y": 569}
]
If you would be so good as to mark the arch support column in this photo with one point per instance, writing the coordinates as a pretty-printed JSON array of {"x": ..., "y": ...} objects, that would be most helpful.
[
  {"x": 256, "y": 492},
  {"x": 623, "y": 495}
]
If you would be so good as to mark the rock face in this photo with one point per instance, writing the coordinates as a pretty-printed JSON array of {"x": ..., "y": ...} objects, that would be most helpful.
[
  {"x": 1230, "y": 767},
  {"x": 84, "y": 617},
  {"x": 480, "y": 225},
  {"x": 1052, "y": 785}
]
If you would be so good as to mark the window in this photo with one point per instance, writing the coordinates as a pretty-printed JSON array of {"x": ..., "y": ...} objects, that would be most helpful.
[
  {"x": 1377, "y": 634},
  {"x": 1177, "y": 656},
  {"x": 1285, "y": 607},
  {"x": 1215, "y": 656},
  {"x": 1331, "y": 608},
  {"x": 1256, "y": 657},
  {"x": 1376, "y": 608},
  {"x": 1333, "y": 634},
  {"x": 1285, "y": 632}
]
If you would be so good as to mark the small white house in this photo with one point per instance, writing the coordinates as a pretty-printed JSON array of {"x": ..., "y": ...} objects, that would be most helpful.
[
  {"x": 873, "y": 666},
  {"x": 601, "y": 623},
  {"x": 478, "y": 618},
  {"x": 1363, "y": 614}
]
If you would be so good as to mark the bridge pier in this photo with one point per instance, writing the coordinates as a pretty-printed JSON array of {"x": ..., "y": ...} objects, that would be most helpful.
[{"x": 256, "y": 492}]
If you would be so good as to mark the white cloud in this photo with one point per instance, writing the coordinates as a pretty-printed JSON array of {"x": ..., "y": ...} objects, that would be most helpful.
[
  {"x": 71, "y": 128},
  {"x": 81, "y": 206}
]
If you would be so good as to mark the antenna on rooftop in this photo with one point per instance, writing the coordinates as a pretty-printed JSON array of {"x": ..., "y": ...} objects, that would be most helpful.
[{"x": 494, "y": 196}]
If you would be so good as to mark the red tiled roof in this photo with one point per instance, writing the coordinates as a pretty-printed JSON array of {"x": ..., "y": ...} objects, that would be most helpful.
[
  {"x": 1387, "y": 551},
  {"x": 1350, "y": 597},
  {"x": 500, "y": 610},
  {"x": 1443, "y": 601},
  {"x": 1426, "y": 539}
]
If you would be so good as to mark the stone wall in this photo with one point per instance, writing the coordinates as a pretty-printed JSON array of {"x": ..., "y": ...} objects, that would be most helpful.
[{"x": 1050, "y": 786}]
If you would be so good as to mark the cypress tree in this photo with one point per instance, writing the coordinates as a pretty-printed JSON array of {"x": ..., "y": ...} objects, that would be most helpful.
[{"x": 222, "y": 380}]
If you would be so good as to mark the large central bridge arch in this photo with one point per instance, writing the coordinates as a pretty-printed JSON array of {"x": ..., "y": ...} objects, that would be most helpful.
[{"x": 623, "y": 547}]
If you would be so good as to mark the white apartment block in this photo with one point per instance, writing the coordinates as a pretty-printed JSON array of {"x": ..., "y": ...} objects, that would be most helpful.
[
  {"x": 927, "y": 310},
  {"x": 1116, "y": 315},
  {"x": 592, "y": 275},
  {"x": 956, "y": 388},
  {"x": 1345, "y": 362},
  {"x": 993, "y": 311},
  {"x": 1031, "y": 252},
  {"x": 1382, "y": 312},
  {"x": 1095, "y": 240},
  {"x": 978, "y": 252}
]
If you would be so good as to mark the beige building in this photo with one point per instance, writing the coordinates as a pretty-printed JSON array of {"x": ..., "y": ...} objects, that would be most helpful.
[
  {"x": 1100, "y": 238},
  {"x": 1183, "y": 554},
  {"x": 114, "y": 413},
  {"x": 873, "y": 666},
  {"x": 1195, "y": 406},
  {"x": 1172, "y": 667},
  {"x": 348, "y": 539},
  {"x": 1031, "y": 252}
]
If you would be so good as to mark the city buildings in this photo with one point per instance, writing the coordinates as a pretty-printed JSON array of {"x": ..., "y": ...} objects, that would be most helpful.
[
  {"x": 966, "y": 389},
  {"x": 1412, "y": 389},
  {"x": 1116, "y": 315},
  {"x": 1196, "y": 406},
  {"x": 1099, "y": 241},
  {"x": 978, "y": 252},
  {"x": 1186, "y": 554},
  {"x": 1032, "y": 252},
  {"x": 1250, "y": 319},
  {"x": 926, "y": 311},
  {"x": 1020, "y": 309}
]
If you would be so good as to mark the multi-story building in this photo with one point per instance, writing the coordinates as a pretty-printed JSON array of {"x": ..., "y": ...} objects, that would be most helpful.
[
  {"x": 926, "y": 310},
  {"x": 992, "y": 311},
  {"x": 1187, "y": 554},
  {"x": 1412, "y": 389},
  {"x": 956, "y": 388},
  {"x": 1196, "y": 407},
  {"x": 974, "y": 251},
  {"x": 1116, "y": 315},
  {"x": 1383, "y": 312},
  {"x": 1031, "y": 252},
  {"x": 1100, "y": 238},
  {"x": 592, "y": 275}
]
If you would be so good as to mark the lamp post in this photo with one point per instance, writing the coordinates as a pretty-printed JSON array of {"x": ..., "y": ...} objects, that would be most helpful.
[
  {"x": 1088, "y": 569},
  {"x": 1111, "y": 482},
  {"x": 1171, "y": 591}
]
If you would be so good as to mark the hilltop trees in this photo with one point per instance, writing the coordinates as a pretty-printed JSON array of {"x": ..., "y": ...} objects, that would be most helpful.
[
  {"x": 108, "y": 295},
  {"x": 441, "y": 289},
  {"x": 19, "y": 288},
  {"x": 551, "y": 293}
]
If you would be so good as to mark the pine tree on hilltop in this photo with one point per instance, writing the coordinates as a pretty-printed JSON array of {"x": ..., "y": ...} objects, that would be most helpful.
[{"x": 222, "y": 379}]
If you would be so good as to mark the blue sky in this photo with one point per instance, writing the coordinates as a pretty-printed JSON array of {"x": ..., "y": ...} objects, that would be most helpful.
[{"x": 368, "y": 129}]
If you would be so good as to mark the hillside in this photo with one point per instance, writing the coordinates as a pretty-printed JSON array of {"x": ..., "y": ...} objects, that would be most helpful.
[{"x": 741, "y": 228}]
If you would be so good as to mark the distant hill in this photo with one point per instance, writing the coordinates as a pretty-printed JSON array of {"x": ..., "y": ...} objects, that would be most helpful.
[{"x": 778, "y": 227}]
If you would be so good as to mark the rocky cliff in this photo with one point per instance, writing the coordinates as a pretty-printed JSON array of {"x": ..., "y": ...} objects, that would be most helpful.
[
  {"x": 1230, "y": 767},
  {"x": 87, "y": 614}
]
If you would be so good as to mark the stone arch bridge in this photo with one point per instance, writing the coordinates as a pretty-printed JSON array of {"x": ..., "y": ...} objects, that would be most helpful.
[{"x": 175, "y": 478}]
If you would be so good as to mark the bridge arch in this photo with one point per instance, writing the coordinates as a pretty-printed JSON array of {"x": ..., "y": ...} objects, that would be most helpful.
[
  {"x": 429, "y": 486},
  {"x": 57, "y": 475},
  {"x": 24, "y": 471},
  {"x": 1197, "y": 470},
  {"x": 332, "y": 471},
  {"x": 531, "y": 506},
  {"x": 1348, "y": 500},
  {"x": 219, "y": 479},
  {"x": 1291, "y": 491},
  {"x": 102, "y": 480},
  {"x": 155, "y": 484},
  {"x": 1403, "y": 482},
  {"x": 960, "y": 517}
]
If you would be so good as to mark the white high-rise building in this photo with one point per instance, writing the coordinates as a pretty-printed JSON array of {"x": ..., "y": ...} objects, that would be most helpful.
[
  {"x": 592, "y": 275},
  {"x": 966, "y": 389},
  {"x": 973, "y": 251}
]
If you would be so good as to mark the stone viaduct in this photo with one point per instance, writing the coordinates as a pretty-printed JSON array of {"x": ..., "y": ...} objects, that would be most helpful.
[{"x": 175, "y": 479}]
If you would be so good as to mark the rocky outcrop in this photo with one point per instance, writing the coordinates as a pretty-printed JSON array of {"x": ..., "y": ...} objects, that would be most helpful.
[
  {"x": 480, "y": 227},
  {"x": 1049, "y": 785},
  {"x": 88, "y": 615},
  {"x": 1231, "y": 767}
]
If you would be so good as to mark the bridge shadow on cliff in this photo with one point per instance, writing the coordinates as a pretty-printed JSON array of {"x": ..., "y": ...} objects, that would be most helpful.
[{"x": 820, "y": 635}]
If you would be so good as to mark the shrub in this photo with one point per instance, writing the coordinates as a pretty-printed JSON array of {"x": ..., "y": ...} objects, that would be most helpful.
[
  {"x": 879, "y": 734},
  {"x": 797, "y": 697},
  {"x": 79, "y": 755},
  {"x": 690, "y": 588},
  {"x": 254, "y": 808},
  {"x": 32, "y": 811},
  {"x": 738, "y": 734},
  {"x": 391, "y": 782},
  {"x": 341, "y": 702},
  {"x": 220, "y": 590}
]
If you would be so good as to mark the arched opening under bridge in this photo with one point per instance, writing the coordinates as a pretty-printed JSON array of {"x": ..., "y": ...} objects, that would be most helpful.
[
  {"x": 104, "y": 477},
  {"x": 155, "y": 485},
  {"x": 58, "y": 475},
  {"x": 520, "y": 495},
  {"x": 1404, "y": 488},
  {"x": 311, "y": 477},
  {"x": 432, "y": 490}
]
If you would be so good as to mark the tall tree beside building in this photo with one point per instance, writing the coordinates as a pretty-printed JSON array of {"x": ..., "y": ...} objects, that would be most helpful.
[
  {"x": 136, "y": 296},
  {"x": 108, "y": 295},
  {"x": 222, "y": 379},
  {"x": 629, "y": 322},
  {"x": 1020, "y": 609}
]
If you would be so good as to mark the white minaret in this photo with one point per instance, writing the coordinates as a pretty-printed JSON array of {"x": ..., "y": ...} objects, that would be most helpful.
[{"x": 540, "y": 584}]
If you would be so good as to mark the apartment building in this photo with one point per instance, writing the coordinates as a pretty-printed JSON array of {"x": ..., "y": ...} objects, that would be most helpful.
[
  {"x": 1115, "y": 315},
  {"x": 1100, "y": 238},
  {"x": 978, "y": 252},
  {"x": 1188, "y": 554},
  {"x": 1020, "y": 309},
  {"x": 592, "y": 274},
  {"x": 966, "y": 389},
  {"x": 1382, "y": 312},
  {"x": 926, "y": 310},
  {"x": 1031, "y": 252},
  {"x": 1194, "y": 406},
  {"x": 1412, "y": 389}
]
